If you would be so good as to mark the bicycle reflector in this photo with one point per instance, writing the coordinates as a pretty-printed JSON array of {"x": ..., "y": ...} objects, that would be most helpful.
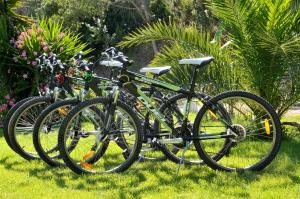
[
  {"x": 88, "y": 155},
  {"x": 60, "y": 78},
  {"x": 213, "y": 114},
  {"x": 62, "y": 111},
  {"x": 267, "y": 127},
  {"x": 85, "y": 157},
  {"x": 86, "y": 165}
]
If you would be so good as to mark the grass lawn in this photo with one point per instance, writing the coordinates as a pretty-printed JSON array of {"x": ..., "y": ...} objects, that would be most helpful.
[{"x": 23, "y": 179}]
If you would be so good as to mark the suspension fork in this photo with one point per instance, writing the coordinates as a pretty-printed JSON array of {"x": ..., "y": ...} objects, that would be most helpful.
[{"x": 111, "y": 108}]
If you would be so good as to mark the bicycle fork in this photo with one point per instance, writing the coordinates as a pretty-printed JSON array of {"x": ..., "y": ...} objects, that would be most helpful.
[{"x": 111, "y": 108}]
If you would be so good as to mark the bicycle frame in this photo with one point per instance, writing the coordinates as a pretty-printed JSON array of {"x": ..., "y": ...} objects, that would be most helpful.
[{"x": 127, "y": 79}]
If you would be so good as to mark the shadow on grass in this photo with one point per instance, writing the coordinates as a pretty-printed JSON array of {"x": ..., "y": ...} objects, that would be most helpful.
[
  {"x": 151, "y": 176},
  {"x": 1, "y": 132}
]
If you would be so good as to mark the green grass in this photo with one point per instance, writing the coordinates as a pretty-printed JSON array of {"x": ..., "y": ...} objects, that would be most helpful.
[{"x": 23, "y": 179}]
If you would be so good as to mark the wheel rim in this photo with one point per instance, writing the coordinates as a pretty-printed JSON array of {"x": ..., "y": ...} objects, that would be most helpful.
[
  {"x": 255, "y": 133},
  {"x": 48, "y": 132},
  {"x": 23, "y": 128},
  {"x": 108, "y": 156}
]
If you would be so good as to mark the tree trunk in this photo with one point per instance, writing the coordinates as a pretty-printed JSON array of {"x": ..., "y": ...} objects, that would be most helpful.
[{"x": 143, "y": 8}]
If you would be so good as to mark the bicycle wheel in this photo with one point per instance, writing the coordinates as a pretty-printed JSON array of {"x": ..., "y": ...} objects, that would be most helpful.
[
  {"x": 45, "y": 131},
  {"x": 21, "y": 126},
  {"x": 88, "y": 156},
  {"x": 150, "y": 151},
  {"x": 173, "y": 109},
  {"x": 254, "y": 131},
  {"x": 7, "y": 120}
]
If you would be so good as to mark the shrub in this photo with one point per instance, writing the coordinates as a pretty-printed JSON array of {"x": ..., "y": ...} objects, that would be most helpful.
[
  {"x": 5, "y": 105},
  {"x": 45, "y": 36}
]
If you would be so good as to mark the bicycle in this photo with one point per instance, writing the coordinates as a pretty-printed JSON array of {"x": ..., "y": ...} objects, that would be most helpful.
[
  {"x": 82, "y": 161},
  {"x": 50, "y": 119},
  {"x": 21, "y": 122}
]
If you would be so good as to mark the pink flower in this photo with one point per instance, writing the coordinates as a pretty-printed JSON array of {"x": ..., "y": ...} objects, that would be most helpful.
[
  {"x": 45, "y": 49},
  {"x": 24, "y": 54},
  {"x": 7, "y": 97},
  {"x": 51, "y": 54},
  {"x": 61, "y": 49},
  {"x": 20, "y": 45},
  {"x": 61, "y": 35},
  {"x": 35, "y": 53},
  {"x": 29, "y": 31},
  {"x": 4, "y": 106},
  {"x": 11, "y": 102},
  {"x": 23, "y": 35},
  {"x": 34, "y": 63},
  {"x": 39, "y": 30},
  {"x": 43, "y": 43},
  {"x": 21, "y": 38}
]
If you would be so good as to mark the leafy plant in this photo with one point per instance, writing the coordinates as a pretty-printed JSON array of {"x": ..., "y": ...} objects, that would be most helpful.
[
  {"x": 266, "y": 40},
  {"x": 9, "y": 19},
  {"x": 47, "y": 36},
  {"x": 184, "y": 42}
]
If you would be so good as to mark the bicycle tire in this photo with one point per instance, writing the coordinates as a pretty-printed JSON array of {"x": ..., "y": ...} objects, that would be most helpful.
[
  {"x": 7, "y": 120},
  {"x": 271, "y": 113},
  {"x": 12, "y": 125},
  {"x": 127, "y": 161}
]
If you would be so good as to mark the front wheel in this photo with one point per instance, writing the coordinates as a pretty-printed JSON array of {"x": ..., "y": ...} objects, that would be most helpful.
[
  {"x": 88, "y": 155},
  {"x": 254, "y": 132}
]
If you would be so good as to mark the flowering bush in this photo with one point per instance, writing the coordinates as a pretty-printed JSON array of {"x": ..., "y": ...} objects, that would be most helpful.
[
  {"x": 45, "y": 36},
  {"x": 5, "y": 105}
]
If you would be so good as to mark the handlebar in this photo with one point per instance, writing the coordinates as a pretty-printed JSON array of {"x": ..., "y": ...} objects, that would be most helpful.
[{"x": 114, "y": 58}]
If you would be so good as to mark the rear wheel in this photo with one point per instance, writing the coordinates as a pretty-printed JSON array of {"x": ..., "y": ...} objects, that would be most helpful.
[
  {"x": 45, "y": 132},
  {"x": 7, "y": 120},
  {"x": 254, "y": 131},
  {"x": 173, "y": 109},
  {"x": 21, "y": 126}
]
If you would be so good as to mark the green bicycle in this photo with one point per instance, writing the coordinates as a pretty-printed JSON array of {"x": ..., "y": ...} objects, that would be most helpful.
[{"x": 233, "y": 131}]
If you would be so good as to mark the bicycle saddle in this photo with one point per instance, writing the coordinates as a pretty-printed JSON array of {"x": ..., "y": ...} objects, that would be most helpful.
[
  {"x": 156, "y": 70},
  {"x": 197, "y": 61}
]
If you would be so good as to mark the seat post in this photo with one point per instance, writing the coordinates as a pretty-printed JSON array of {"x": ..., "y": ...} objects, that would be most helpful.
[{"x": 193, "y": 81}]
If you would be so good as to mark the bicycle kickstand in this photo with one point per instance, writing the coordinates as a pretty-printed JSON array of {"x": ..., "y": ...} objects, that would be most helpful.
[
  {"x": 141, "y": 156},
  {"x": 187, "y": 146}
]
